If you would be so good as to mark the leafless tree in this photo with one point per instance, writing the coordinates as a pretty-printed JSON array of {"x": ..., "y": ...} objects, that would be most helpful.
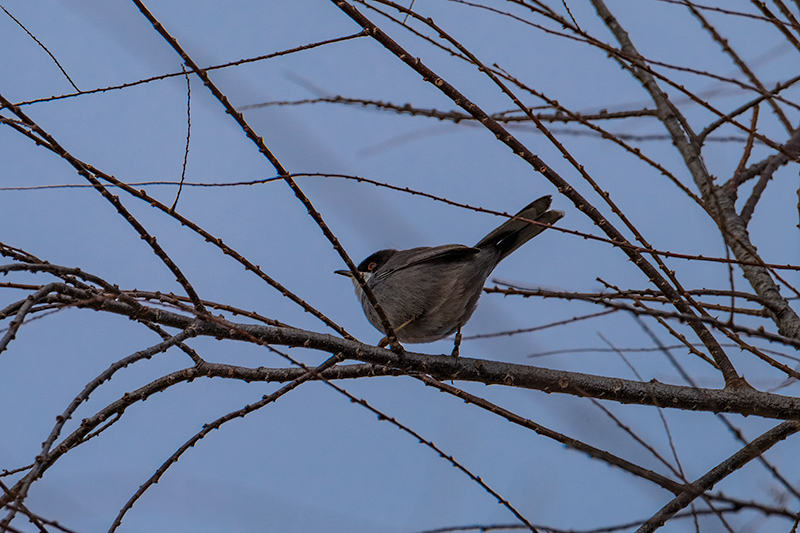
[{"x": 701, "y": 170}]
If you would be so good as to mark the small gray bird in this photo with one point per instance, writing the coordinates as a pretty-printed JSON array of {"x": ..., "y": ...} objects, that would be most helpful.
[{"x": 429, "y": 293}]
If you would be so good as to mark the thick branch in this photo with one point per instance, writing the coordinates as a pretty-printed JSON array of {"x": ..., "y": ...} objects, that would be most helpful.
[{"x": 741, "y": 401}]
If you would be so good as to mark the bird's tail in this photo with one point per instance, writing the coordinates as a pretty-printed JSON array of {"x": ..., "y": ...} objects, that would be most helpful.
[{"x": 515, "y": 232}]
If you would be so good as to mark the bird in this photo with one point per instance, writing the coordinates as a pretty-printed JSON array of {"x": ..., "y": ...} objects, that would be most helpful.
[{"x": 429, "y": 293}]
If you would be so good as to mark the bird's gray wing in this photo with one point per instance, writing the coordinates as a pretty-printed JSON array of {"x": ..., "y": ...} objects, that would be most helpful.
[{"x": 447, "y": 252}]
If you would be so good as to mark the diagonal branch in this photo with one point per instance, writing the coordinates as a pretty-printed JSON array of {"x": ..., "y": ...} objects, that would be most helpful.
[
  {"x": 726, "y": 47},
  {"x": 84, "y": 171},
  {"x": 721, "y": 205},
  {"x": 153, "y": 202},
  {"x": 718, "y": 473},
  {"x": 262, "y": 147},
  {"x": 730, "y": 376},
  {"x": 663, "y": 481}
]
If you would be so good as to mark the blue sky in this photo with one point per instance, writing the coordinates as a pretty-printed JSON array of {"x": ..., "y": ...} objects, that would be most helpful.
[{"x": 313, "y": 460}]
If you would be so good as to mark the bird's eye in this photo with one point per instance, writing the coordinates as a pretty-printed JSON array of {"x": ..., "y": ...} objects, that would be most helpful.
[{"x": 371, "y": 266}]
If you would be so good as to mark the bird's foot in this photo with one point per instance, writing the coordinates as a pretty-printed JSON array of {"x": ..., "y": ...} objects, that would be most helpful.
[{"x": 457, "y": 344}]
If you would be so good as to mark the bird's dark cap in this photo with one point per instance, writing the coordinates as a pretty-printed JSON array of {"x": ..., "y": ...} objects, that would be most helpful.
[{"x": 370, "y": 264}]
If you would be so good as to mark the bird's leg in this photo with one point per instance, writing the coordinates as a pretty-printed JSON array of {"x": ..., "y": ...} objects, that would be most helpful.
[
  {"x": 385, "y": 341},
  {"x": 457, "y": 343}
]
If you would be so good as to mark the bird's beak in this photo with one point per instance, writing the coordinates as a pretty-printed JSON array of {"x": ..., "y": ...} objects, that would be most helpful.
[{"x": 344, "y": 273}]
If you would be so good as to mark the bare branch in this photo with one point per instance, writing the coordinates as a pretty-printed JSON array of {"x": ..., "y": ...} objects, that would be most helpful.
[{"x": 736, "y": 461}]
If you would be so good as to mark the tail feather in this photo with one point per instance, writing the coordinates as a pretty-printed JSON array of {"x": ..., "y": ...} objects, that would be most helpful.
[{"x": 515, "y": 232}]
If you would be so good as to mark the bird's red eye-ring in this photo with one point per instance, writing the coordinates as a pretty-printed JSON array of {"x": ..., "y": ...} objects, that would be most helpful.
[{"x": 371, "y": 266}]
